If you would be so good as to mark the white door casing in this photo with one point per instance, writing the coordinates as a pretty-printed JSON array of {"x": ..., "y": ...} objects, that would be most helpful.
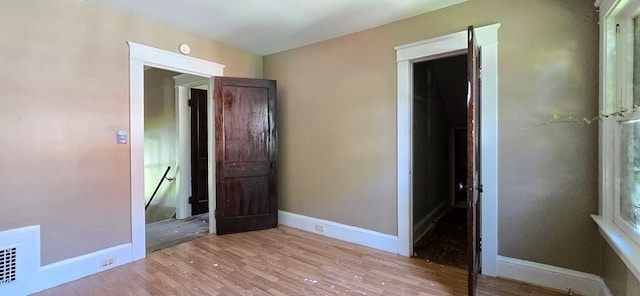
[
  {"x": 434, "y": 48},
  {"x": 139, "y": 57}
]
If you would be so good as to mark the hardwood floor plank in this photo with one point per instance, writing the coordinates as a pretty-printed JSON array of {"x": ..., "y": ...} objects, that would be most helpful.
[{"x": 282, "y": 261}]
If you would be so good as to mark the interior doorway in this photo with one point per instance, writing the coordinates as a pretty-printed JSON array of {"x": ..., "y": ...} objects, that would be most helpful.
[
  {"x": 440, "y": 160},
  {"x": 168, "y": 177},
  {"x": 160, "y": 149},
  {"x": 406, "y": 56},
  {"x": 140, "y": 58}
]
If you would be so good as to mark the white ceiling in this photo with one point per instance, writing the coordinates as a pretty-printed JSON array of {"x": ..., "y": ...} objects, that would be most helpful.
[{"x": 269, "y": 26}]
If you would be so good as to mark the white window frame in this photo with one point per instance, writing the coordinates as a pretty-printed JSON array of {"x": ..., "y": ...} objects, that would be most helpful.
[{"x": 616, "y": 77}]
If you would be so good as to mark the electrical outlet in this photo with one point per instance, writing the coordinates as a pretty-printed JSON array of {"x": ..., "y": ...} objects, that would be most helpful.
[
  {"x": 107, "y": 262},
  {"x": 319, "y": 228}
]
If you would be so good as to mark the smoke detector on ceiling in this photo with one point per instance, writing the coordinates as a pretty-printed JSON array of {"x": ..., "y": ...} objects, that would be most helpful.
[{"x": 184, "y": 48}]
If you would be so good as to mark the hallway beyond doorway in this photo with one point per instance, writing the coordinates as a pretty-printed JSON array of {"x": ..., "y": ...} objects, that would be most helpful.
[
  {"x": 446, "y": 242},
  {"x": 171, "y": 232}
]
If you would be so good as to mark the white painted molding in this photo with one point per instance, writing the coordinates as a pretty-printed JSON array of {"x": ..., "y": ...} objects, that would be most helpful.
[
  {"x": 139, "y": 57},
  {"x": 190, "y": 81},
  {"x": 438, "y": 47},
  {"x": 168, "y": 60},
  {"x": 445, "y": 45},
  {"x": 352, "y": 234},
  {"x": 621, "y": 243},
  {"x": 605, "y": 6},
  {"x": 42, "y": 278},
  {"x": 78, "y": 267},
  {"x": 552, "y": 277}
]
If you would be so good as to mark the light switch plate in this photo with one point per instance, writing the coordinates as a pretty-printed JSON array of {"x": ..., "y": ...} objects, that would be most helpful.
[{"x": 121, "y": 137}]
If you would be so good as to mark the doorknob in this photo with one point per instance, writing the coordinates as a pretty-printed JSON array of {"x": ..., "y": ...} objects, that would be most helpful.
[{"x": 461, "y": 187}]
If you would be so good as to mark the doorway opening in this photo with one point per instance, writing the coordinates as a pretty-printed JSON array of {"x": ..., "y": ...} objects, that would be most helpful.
[
  {"x": 168, "y": 178},
  {"x": 140, "y": 58},
  {"x": 440, "y": 160},
  {"x": 406, "y": 56}
]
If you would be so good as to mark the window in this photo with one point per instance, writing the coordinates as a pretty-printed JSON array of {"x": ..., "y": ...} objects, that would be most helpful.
[
  {"x": 629, "y": 173},
  {"x": 619, "y": 217},
  {"x": 626, "y": 130}
]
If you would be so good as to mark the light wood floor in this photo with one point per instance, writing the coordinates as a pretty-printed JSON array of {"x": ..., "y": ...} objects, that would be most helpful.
[{"x": 282, "y": 261}]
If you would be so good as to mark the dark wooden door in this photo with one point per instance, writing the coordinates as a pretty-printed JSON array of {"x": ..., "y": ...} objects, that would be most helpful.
[
  {"x": 246, "y": 151},
  {"x": 199, "y": 158},
  {"x": 474, "y": 186}
]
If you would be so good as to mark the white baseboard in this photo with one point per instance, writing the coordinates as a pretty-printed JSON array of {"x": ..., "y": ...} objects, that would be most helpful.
[
  {"x": 356, "y": 235},
  {"x": 552, "y": 277},
  {"x": 72, "y": 269},
  {"x": 424, "y": 225},
  {"x": 32, "y": 278}
]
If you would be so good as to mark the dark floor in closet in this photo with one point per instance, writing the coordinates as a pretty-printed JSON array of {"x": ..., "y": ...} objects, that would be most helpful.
[{"x": 446, "y": 243}]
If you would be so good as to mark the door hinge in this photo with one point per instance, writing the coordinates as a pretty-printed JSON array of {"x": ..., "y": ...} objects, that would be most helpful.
[
  {"x": 480, "y": 74},
  {"x": 191, "y": 199},
  {"x": 189, "y": 102},
  {"x": 215, "y": 213}
]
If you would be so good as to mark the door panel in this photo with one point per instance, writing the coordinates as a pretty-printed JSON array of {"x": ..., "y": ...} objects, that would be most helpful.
[
  {"x": 199, "y": 156},
  {"x": 246, "y": 151},
  {"x": 247, "y": 191},
  {"x": 474, "y": 187}
]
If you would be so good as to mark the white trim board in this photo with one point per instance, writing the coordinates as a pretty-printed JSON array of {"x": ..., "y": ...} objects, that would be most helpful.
[
  {"x": 49, "y": 276},
  {"x": 352, "y": 234},
  {"x": 437, "y": 48},
  {"x": 139, "y": 57},
  {"x": 78, "y": 267},
  {"x": 552, "y": 277},
  {"x": 626, "y": 249}
]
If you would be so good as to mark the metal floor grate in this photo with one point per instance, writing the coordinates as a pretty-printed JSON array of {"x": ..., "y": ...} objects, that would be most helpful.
[{"x": 8, "y": 263}]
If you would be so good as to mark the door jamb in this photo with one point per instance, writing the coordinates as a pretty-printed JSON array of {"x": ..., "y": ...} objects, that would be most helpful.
[
  {"x": 139, "y": 57},
  {"x": 432, "y": 48}
]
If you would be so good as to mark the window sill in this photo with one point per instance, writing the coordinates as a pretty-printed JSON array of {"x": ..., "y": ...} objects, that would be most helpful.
[{"x": 621, "y": 243}]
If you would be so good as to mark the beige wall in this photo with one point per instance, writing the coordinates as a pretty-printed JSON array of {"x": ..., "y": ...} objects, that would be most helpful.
[
  {"x": 64, "y": 87},
  {"x": 617, "y": 276},
  {"x": 337, "y": 106}
]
